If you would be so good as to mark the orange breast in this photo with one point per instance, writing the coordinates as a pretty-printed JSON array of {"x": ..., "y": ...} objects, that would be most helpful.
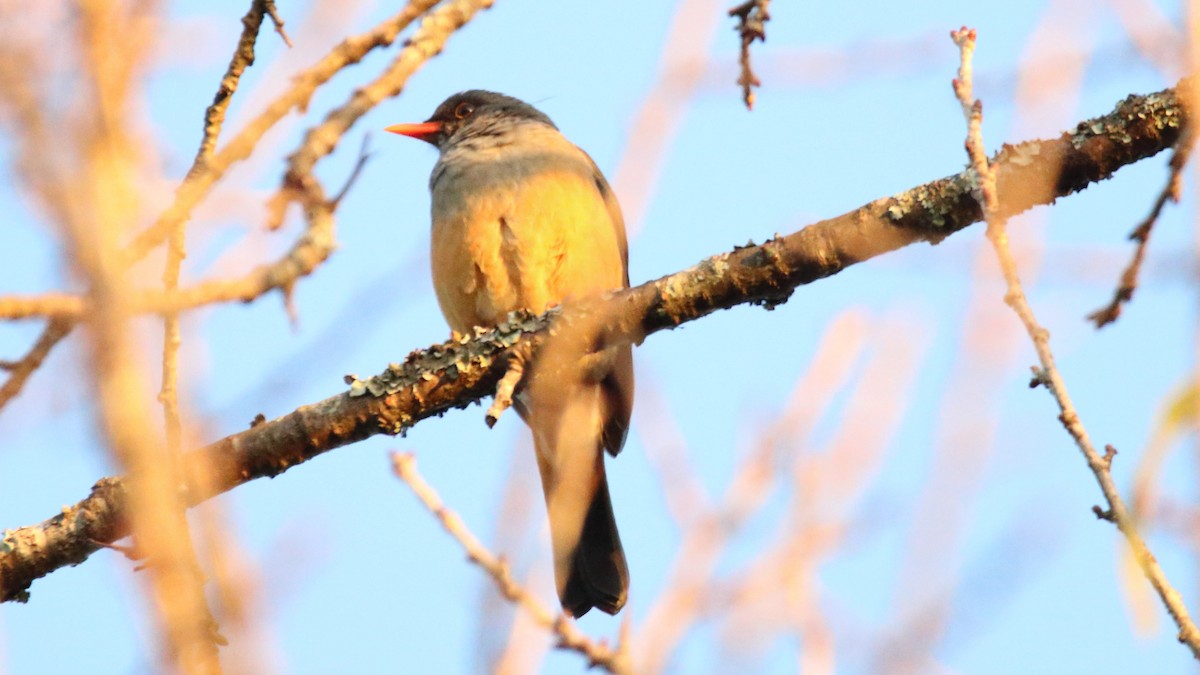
[{"x": 519, "y": 230}]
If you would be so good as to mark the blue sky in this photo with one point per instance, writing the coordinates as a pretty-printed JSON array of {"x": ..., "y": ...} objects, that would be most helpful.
[{"x": 354, "y": 576}]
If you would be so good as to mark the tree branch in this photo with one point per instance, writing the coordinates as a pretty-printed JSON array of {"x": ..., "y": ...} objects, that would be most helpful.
[{"x": 459, "y": 372}]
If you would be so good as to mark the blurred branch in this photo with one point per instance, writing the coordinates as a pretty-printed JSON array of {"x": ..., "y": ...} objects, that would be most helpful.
[
  {"x": 1049, "y": 375},
  {"x": 660, "y": 117},
  {"x": 457, "y": 373},
  {"x": 1156, "y": 36},
  {"x": 299, "y": 184},
  {"x": 303, "y": 85},
  {"x": 214, "y": 118},
  {"x": 106, "y": 200},
  {"x": 24, "y": 112},
  {"x": 710, "y": 528},
  {"x": 206, "y": 170},
  {"x": 569, "y": 636},
  {"x": 778, "y": 592},
  {"x": 19, "y": 371}
]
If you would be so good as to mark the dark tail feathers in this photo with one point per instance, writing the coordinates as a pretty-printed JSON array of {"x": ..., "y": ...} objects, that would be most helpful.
[{"x": 600, "y": 577}]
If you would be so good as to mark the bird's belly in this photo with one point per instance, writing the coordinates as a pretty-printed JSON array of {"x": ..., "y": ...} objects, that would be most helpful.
[{"x": 502, "y": 243}]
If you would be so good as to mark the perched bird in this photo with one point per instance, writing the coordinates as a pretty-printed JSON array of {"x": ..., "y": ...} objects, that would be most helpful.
[{"x": 523, "y": 219}]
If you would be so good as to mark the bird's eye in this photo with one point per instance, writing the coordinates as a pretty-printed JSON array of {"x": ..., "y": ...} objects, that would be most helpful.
[{"x": 463, "y": 110}]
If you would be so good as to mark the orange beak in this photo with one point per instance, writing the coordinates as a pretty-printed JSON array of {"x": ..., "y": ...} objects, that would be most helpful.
[{"x": 422, "y": 131}]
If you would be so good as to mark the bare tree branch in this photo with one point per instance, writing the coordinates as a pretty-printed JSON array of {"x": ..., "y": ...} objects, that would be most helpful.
[
  {"x": 569, "y": 636},
  {"x": 105, "y": 202},
  {"x": 208, "y": 168},
  {"x": 1048, "y": 374},
  {"x": 214, "y": 118},
  {"x": 752, "y": 17},
  {"x": 19, "y": 371},
  {"x": 346, "y": 53},
  {"x": 1141, "y": 234},
  {"x": 458, "y": 373}
]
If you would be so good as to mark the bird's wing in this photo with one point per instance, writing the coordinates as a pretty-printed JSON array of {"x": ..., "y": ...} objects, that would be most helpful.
[
  {"x": 614, "y": 214},
  {"x": 618, "y": 384}
]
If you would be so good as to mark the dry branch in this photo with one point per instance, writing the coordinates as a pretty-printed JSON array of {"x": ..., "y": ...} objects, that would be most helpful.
[
  {"x": 752, "y": 17},
  {"x": 299, "y": 184},
  {"x": 1170, "y": 192},
  {"x": 458, "y": 373},
  {"x": 1048, "y": 374},
  {"x": 214, "y": 119},
  {"x": 303, "y": 85},
  {"x": 104, "y": 202},
  {"x": 208, "y": 168},
  {"x": 19, "y": 371},
  {"x": 598, "y": 654}
]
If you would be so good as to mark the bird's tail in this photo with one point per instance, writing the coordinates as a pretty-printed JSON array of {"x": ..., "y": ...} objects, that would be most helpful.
[
  {"x": 589, "y": 563},
  {"x": 599, "y": 576}
]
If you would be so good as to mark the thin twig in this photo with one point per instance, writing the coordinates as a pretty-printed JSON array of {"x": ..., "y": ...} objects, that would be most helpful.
[
  {"x": 364, "y": 155},
  {"x": 1048, "y": 374},
  {"x": 568, "y": 635},
  {"x": 272, "y": 12},
  {"x": 1141, "y": 234},
  {"x": 243, "y": 57},
  {"x": 168, "y": 393},
  {"x": 752, "y": 16}
]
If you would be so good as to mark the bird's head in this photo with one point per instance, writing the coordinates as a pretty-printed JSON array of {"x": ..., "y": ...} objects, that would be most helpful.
[{"x": 470, "y": 114}]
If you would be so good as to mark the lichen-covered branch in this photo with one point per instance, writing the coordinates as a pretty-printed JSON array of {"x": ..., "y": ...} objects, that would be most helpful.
[{"x": 457, "y": 373}]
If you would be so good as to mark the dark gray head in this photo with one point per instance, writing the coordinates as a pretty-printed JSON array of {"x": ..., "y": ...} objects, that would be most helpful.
[{"x": 469, "y": 114}]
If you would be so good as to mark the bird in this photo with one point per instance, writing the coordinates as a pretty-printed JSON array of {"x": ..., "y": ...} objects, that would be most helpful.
[{"x": 523, "y": 219}]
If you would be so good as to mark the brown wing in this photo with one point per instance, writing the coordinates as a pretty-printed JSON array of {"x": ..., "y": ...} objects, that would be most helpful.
[
  {"x": 614, "y": 214},
  {"x": 618, "y": 384}
]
